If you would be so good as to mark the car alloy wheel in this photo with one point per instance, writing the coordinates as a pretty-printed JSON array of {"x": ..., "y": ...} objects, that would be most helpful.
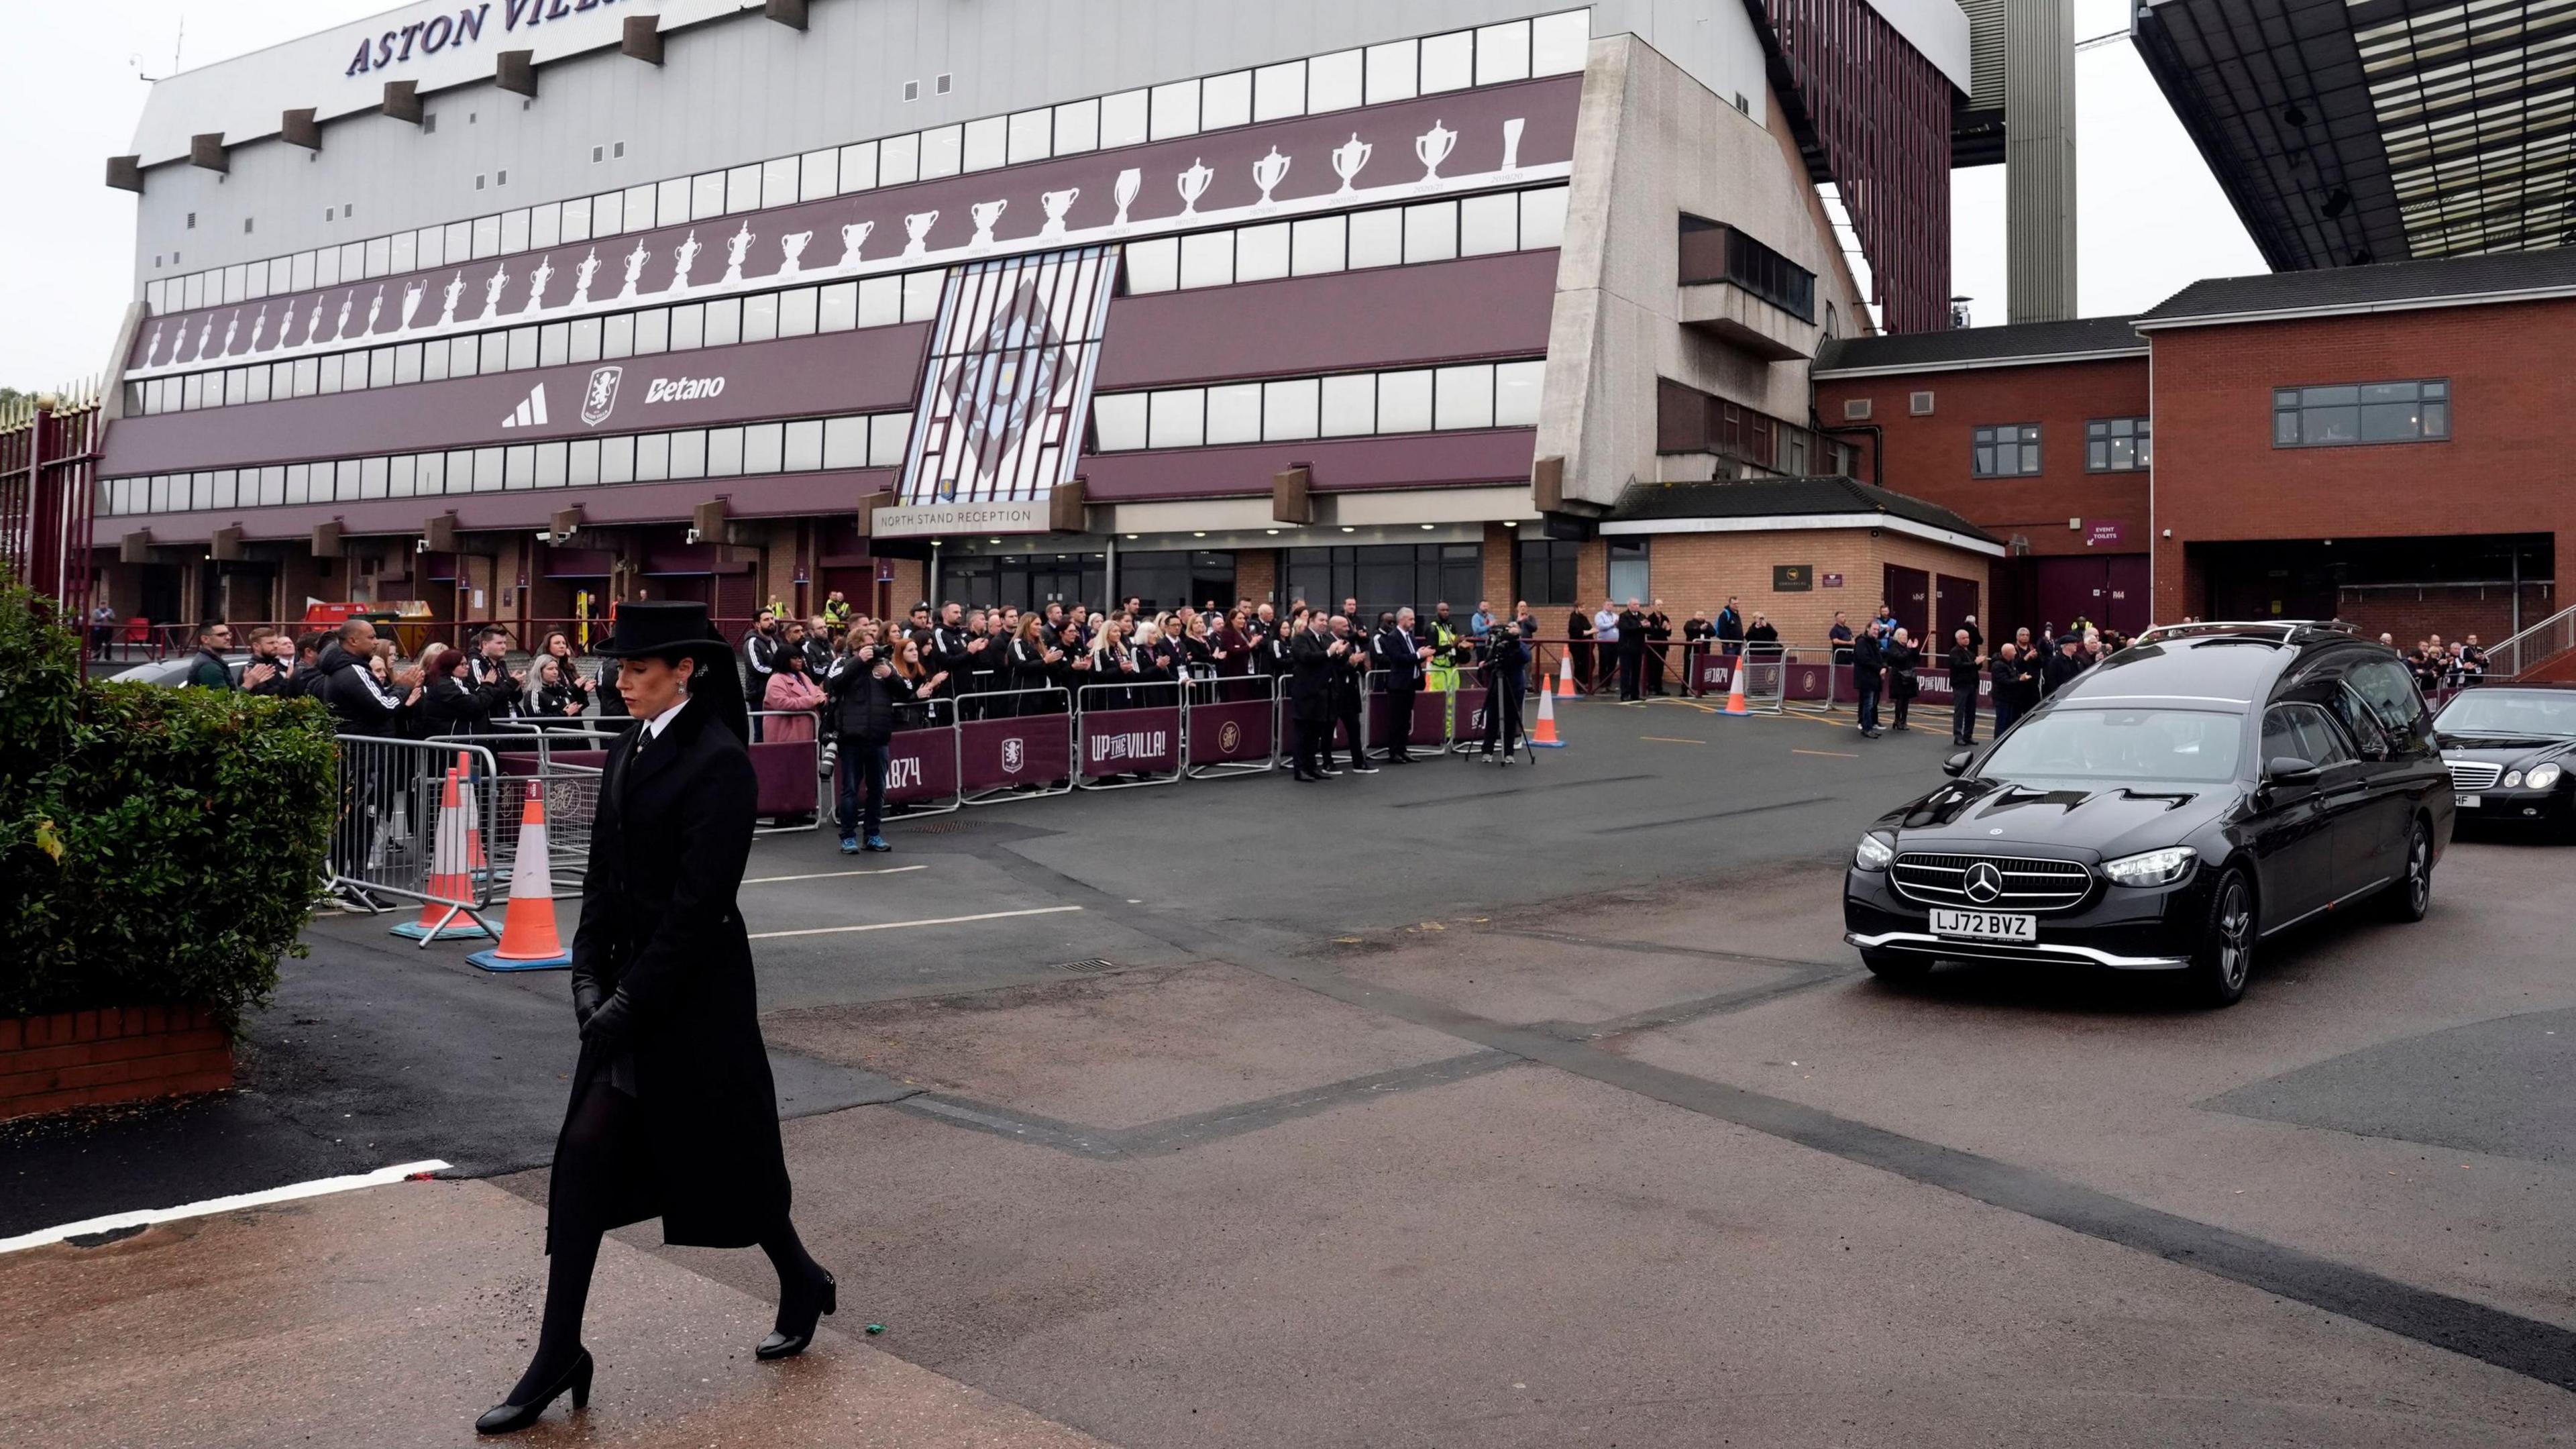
[
  {"x": 2226, "y": 958},
  {"x": 2414, "y": 892}
]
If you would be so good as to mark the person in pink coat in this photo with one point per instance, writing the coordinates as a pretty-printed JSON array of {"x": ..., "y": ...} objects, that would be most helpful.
[{"x": 792, "y": 688}]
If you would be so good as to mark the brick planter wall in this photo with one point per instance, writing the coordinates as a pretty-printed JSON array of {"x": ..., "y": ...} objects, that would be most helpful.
[{"x": 113, "y": 1054}]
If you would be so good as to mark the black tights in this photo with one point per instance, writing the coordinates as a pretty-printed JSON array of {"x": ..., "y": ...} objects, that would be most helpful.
[{"x": 602, "y": 1145}]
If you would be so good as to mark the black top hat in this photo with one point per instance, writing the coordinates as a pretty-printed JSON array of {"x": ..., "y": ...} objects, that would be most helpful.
[{"x": 648, "y": 628}]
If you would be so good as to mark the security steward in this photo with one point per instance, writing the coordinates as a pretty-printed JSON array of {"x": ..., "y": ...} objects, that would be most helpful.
[
  {"x": 673, "y": 1114},
  {"x": 1399, "y": 655},
  {"x": 1446, "y": 654},
  {"x": 1313, "y": 657}
]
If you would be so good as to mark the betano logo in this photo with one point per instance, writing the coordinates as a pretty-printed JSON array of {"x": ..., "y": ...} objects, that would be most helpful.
[
  {"x": 531, "y": 411},
  {"x": 683, "y": 389}
]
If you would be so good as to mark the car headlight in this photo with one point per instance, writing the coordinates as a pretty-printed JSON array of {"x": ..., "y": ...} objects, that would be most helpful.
[
  {"x": 2512, "y": 780},
  {"x": 1873, "y": 853},
  {"x": 2153, "y": 867},
  {"x": 2542, "y": 777}
]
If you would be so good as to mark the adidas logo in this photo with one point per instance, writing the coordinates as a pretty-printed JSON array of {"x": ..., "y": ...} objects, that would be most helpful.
[{"x": 531, "y": 411}]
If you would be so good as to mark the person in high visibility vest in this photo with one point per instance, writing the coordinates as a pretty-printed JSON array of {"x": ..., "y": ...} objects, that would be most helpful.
[{"x": 1443, "y": 633}]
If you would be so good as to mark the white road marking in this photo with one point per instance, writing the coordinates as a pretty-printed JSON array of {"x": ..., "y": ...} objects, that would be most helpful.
[
  {"x": 319, "y": 1187},
  {"x": 899, "y": 925},
  {"x": 832, "y": 874}
]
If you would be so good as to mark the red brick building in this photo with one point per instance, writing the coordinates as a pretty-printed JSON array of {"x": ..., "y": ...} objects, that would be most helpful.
[
  {"x": 2012, "y": 427},
  {"x": 2394, "y": 445}
]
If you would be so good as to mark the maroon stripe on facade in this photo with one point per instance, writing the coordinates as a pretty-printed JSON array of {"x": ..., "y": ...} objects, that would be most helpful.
[
  {"x": 1475, "y": 308},
  {"x": 783, "y": 495},
  {"x": 873, "y": 369},
  {"x": 1546, "y": 106},
  {"x": 1340, "y": 465}
]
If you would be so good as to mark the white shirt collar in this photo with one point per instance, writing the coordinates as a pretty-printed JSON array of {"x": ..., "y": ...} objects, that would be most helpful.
[{"x": 653, "y": 727}]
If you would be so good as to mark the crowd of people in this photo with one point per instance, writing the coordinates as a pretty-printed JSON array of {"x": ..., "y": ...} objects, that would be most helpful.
[
  {"x": 1887, "y": 665},
  {"x": 2439, "y": 667}
]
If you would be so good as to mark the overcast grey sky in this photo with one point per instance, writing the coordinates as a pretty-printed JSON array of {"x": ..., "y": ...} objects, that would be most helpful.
[{"x": 2151, "y": 218}]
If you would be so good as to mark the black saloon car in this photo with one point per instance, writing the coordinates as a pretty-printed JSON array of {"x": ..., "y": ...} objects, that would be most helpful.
[
  {"x": 2205, "y": 788},
  {"x": 2511, "y": 749}
]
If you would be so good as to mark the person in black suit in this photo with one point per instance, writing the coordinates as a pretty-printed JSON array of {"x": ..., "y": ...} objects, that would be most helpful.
[
  {"x": 2016, "y": 685},
  {"x": 1868, "y": 674},
  {"x": 1350, "y": 692},
  {"x": 1399, "y": 654},
  {"x": 1313, "y": 657},
  {"x": 1632, "y": 652},
  {"x": 672, "y": 1114}
]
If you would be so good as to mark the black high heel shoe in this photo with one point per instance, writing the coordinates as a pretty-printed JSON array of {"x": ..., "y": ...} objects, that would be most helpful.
[
  {"x": 783, "y": 1344},
  {"x": 511, "y": 1418}
]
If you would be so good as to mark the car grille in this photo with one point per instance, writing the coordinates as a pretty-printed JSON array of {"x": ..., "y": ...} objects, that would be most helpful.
[
  {"x": 2030, "y": 883},
  {"x": 2474, "y": 774}
]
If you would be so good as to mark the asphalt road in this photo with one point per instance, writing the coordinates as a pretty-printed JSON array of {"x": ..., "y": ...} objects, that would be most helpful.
[{"x": 1455, "y": 1105}]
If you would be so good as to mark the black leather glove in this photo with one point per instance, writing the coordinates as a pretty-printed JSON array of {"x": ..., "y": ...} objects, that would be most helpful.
[
  {"x": 609, "y": 1022},
  {"x": 585, "y": 1000}
]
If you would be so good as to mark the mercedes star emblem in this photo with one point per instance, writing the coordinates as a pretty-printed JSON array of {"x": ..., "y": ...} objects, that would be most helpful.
[{"x": 1984, "y": 883}]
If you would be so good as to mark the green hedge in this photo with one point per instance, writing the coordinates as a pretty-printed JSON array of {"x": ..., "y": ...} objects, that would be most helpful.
[{"x": 157, "y": 846}]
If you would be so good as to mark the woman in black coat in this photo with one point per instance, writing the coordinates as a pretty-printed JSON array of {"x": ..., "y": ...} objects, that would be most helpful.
[
  {"x": 449, "y": 705},
  {"x": 1902, "y": 660},
  {"x": 673, "y": 1114}
]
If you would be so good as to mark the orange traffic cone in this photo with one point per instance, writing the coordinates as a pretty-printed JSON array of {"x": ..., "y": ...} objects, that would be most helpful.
[
  {"x": 529, "y": 941},
  {"x": 1564, "y": 676},
  {"x": 451, "y": 889},
  {"x": 1545, "y": 737},
  {"x": 476, "y": 861},
  {"x": 1735, "y": 689}
]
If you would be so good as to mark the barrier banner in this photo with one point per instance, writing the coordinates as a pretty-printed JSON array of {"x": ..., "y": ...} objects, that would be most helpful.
[
  {"x": 1809, "y": 681},
  {"x": 1430, "y": 717},
  {"x": 785, "y": 769},
  {"x": 921, "y": 765},
  {"x": 1131, "y": 741},
  {"x": 1713, "y": 674},
  {"x": 994, "y": 754},
  {"x": 1237, "y": 732},
  {"x": 1469, "y": 718}
]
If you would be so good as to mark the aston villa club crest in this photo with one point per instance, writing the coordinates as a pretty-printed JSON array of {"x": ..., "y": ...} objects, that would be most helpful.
[
  {"x": 1014, "y": 755},
  {"x": 994, "y": 393},
  {"x": 1229, "y": 737},
  {"x": 599, "y": 395}
]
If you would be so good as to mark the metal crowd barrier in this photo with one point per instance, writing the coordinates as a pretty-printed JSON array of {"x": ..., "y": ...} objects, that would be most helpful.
[
  {"x": 394, "y": 826},
  {"x": 924, "y": 765},
  {"x": 1018, "y": 751},
  {"x": 1230, "y": 726},
  {"x": 1120, "y": 737}
]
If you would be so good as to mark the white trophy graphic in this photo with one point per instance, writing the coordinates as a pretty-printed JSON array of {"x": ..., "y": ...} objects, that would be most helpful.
[
  {"x": 1433, "y": 147},
  {"x": 1130, "y": 181},
  {"x": 1194, "y": 184},
  {"x": 1056, "y": 203},
  {"x": 853, "y": 237},
  {"x": 1512, "y": 145},
  {"x": 411, "y": 304},
  {"x": 635, "y": 261},
  {"x": 313, "y": 322},
  {"x": 454, "y": 289},
  {"x": 232, "y": 329},
  {"x": 340, "y": 327},
  {"x": 258, "y": 326},
  {"x": 205, "y": 337},
  {"x": 916, "y": 227},
  {"x": 492, "y": 286},
  {"x": 152, "y": 349},
  {"x": 537, "y": 280},
  {"x": 737, "y": 247},
  {"x": 581, "y": 277},
  {"x": 375, "y": 309},
  {"x": 1348, "y": 158},
  {"x": 683, "y": 257},
  {"x": 1267, "y": 173},
  {"x": 791, "y": 251},
  {"x": 986, "y": 213}
]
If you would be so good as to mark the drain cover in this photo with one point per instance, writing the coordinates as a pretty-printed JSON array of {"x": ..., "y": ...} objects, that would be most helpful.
[{"x": 1094, "y": 964}]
